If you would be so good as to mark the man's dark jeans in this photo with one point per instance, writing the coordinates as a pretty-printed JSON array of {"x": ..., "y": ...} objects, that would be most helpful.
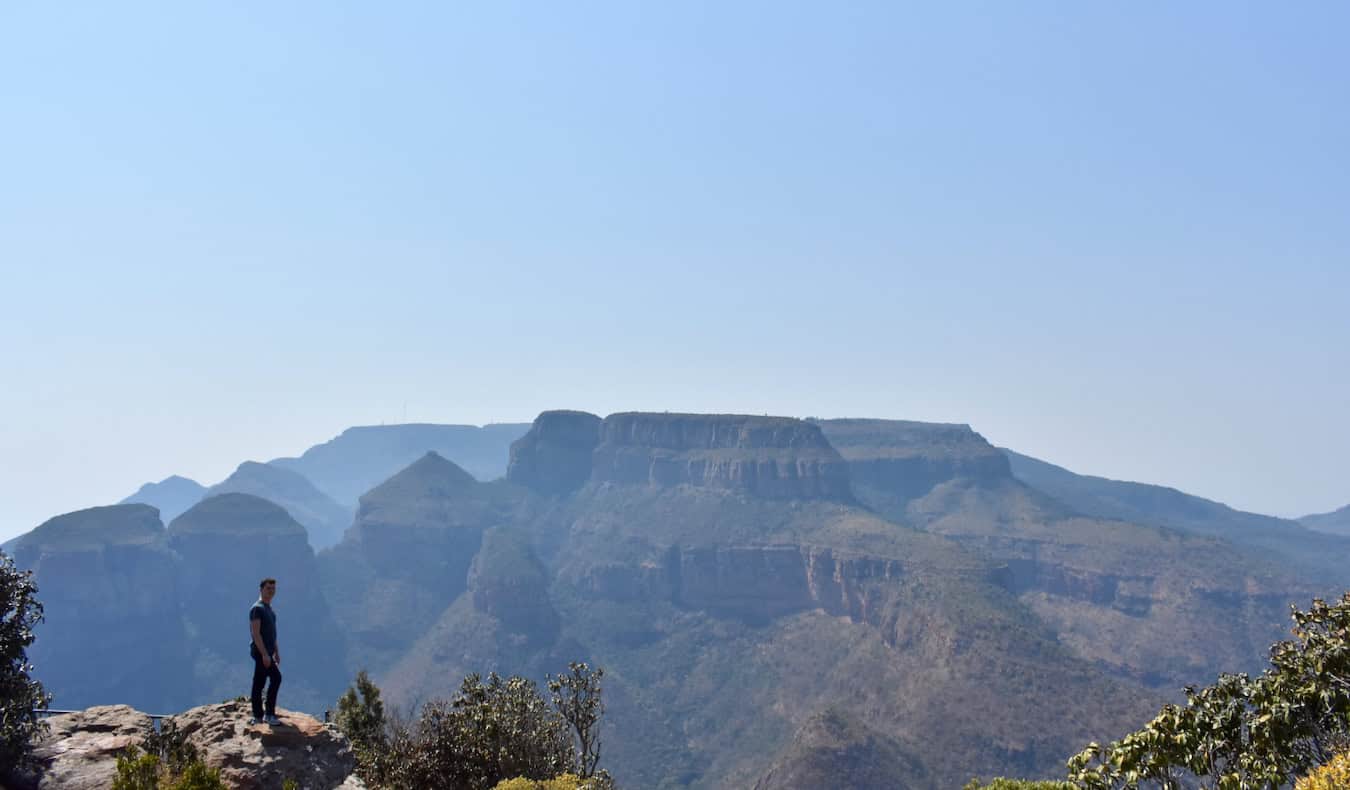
[{"x": 260, "y": 676}]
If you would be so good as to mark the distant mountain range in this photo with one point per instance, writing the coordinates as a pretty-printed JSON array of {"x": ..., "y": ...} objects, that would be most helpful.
[
  {"x": 778, "y": 603},
  {"x": 1336, "y": 522}
]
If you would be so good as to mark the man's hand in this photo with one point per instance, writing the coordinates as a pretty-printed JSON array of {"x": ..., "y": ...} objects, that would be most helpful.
[
  {"x": 277, "y": 657},
  {"x": 267, "y": 661}
]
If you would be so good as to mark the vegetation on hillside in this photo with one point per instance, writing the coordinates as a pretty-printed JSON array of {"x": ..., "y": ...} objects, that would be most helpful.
[
  {"x": 491, "y": 732},
  {"x": 20, "y": 695}
]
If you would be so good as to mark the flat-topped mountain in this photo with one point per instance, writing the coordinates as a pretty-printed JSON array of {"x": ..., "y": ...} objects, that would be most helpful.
[
  {"x": 1336, "y": 522},
  {"x": 902, "y": 460},
  {"x": 772, "y": 457},
  {"x": 91, "y": 529},
  {"x": 324, "y": 519},
  {"x": 361, "y": 458},
  {"x": 171, "y": 496}
]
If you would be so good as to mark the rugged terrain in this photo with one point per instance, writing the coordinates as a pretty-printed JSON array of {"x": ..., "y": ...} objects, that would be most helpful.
[{"x": 774, "y": 600}]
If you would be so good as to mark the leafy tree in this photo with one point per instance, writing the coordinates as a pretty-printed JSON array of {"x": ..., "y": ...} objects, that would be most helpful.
[
  {"x": 1243, "y": 732},
  {"x": 20, "y": 695},
  {"x": 360, "y": 716},
  {"x": 488, "y": 732},
  {"x": 576, "y": 697}
]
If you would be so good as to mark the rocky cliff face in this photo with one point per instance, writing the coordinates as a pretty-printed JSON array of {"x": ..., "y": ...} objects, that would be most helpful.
[
  {"x": 554, "y": 457},
  {"x": 227, "y": 544},
  {"x": 109, "y": 588},
  {"x": 903, "y": 460},
  {"x": 770, "y": 457},
  {"x": 759, "y": 583}
]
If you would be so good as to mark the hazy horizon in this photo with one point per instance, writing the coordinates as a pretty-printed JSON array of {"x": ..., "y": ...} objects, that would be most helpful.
[{"x": 1109, "y": 237}]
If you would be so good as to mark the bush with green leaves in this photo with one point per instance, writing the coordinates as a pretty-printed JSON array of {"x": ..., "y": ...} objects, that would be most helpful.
[
  {"x": 360, "y": 716},
  {"x": 493, "y": 730},
  {"x": 1241, "y": 731},
  {"x": 20, "y": 695},
  {"x": 140, "y": 770}
]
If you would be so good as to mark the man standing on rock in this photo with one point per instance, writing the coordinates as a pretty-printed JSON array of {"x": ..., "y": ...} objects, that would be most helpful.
[{"x": 262, "y": 623}]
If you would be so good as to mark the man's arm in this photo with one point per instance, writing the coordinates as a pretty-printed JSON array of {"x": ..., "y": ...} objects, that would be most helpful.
[{"x": 255, "y": 626}]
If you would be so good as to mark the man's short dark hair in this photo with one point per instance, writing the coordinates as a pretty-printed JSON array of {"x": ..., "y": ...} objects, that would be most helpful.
[{"x": 265, "y": 582}]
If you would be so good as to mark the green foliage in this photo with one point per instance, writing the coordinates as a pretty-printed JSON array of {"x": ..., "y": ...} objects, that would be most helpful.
[
  {"x": 290, "y": 784},
  {"x": 1017, "y": 784},
  {"x": 1335, "y": 775},
  {"x": 576, "y": 697},
  {"x": 136, "y": 770},
  {"x": 198, "y": 777},
  {"x": 20, "y": 694},
  {"x": 165, "y": 761},
  {"x": 1243, "y": 732},
  {"x": 491, "y": 732},
  {"x": 360, "y": 716}
]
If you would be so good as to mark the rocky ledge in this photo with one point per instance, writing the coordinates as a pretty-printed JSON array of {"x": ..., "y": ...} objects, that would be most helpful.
[
  {"x": 770, "y": 457},
  {"x": 80, "y": 751}
]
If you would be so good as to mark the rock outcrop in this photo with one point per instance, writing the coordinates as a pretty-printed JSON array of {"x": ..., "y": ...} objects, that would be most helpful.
[
  {"x": 81, "y": 749},
  {"x": 555, "y": 456},
  {"x": 110, "y": 589},
  {"x": 509, "y": 583},
  {"x": 770, "y": 457},
  {"x": 757, "y": 583},
  {"x": 323, "y": 519},
  {"x": 314, "y": 754}
]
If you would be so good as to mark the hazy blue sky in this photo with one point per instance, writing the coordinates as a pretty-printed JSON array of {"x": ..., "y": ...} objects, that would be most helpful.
[{"x": 1114, "y": 236}]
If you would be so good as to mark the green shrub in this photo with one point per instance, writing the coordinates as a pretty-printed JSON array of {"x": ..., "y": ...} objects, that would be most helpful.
[
  {"x": 136, "y": 770},
  {"x": 198, "y": 777},
  {"x": 144, "y": 770}
]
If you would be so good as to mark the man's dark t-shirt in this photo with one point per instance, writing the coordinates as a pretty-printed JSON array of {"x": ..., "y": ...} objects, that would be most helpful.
[{"x": 268, "y": 628}]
